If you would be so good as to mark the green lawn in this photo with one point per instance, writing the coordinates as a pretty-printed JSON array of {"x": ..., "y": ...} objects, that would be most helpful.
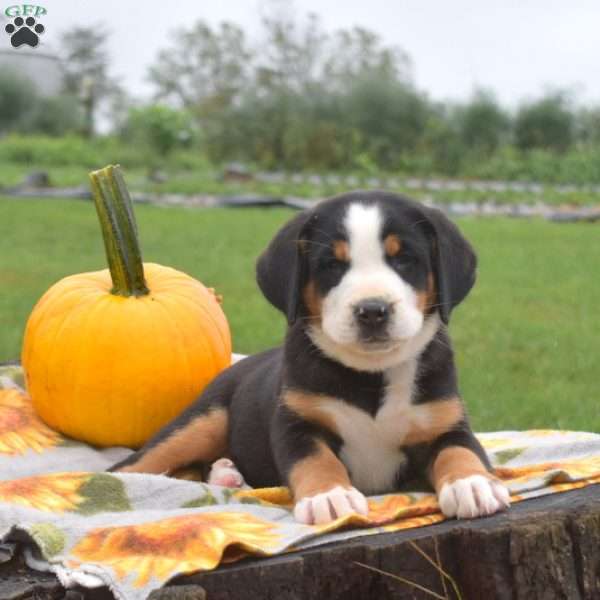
[
  {"x": 528, "y": 338},
  {"x": 207, "y": 181}
]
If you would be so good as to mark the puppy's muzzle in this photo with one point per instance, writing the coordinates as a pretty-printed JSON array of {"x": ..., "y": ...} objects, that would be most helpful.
[{"x": 372, "y": 316}]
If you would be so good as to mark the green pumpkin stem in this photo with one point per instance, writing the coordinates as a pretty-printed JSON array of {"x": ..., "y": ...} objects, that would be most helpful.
[{"x": 119, "y": 230}]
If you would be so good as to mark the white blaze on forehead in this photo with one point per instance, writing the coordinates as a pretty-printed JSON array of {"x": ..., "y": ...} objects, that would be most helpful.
[
  {"x": 369, "y": 275},
  {"x": 363, "y": 226}
]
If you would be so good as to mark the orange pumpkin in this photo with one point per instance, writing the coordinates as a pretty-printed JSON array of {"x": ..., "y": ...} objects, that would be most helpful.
[{"x": 112, "y": 356}]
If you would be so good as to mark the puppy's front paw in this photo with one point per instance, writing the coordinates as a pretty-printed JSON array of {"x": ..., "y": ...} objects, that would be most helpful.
[
  {"x": 328, "y": 506},
  {"x": 474, "y": 496}
]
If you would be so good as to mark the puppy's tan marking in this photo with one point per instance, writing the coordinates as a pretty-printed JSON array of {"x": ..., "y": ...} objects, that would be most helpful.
[
  {"x": 319, "y": 472},
  {"x": 392, "y": 244},
  {"x": 312, "y": 300},
  {"x": 442, "y": 415},
  {"x": 203, "y": 439},
  {"x": 189, "y": 473},
  {"x": 426, "y": 298},
  {"x": 341, "y": 250},
  {"x": 308, "y": 406},
  {"x": 455, "y": 463}
]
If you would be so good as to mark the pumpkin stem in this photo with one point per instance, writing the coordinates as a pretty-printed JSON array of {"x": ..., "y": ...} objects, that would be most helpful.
[{"x": 119, "y": 230}]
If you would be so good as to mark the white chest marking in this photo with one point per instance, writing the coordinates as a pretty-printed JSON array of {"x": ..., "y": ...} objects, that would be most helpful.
[{"x": 371, "y": 447}]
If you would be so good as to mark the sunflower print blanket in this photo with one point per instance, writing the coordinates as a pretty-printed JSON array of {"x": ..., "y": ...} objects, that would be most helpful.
[{"x": 135, "y": 532}]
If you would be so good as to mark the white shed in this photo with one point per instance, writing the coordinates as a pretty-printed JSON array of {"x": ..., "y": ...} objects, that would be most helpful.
[{"x": 43, "y": 70}]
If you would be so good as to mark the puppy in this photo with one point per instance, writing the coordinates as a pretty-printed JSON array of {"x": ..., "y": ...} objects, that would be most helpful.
[{"x": 363, "y": 395}]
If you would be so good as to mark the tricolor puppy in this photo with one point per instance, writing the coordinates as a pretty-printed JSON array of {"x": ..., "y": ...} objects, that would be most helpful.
[{"x": 363, "y": 394}]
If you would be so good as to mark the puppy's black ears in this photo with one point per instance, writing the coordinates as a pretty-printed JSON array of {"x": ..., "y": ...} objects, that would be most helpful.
[
  {"x": 454, "y": 262},
  {"x": 281, "y": 270}
]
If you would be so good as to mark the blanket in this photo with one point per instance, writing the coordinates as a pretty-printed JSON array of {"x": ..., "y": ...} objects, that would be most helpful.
[{"x": 134, "y": 532}]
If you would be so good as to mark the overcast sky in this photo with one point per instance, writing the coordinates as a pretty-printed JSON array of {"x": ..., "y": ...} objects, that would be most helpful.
[{"x": 516, "y": 47}]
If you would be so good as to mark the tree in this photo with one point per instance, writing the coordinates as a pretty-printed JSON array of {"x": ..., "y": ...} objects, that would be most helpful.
[
  {"x": 388, "y": 114},
  {"x": 157, "y": 130},
  {"x": 482, "y": 123},
  {"x": 86, "y": 62},
  {"x": 325, "y": 92},
  {"x": 203, "y": 69},
  {"x": 548, "y": 123},
  {"x": 303, "y": 98},
  {"x": 442, "y": 142},
  {"x": 22, "y": 109},
  {"x": 358, "y": 52},
  {"x": 588, "y": 125},
  {"x": 291, "y": 53},
  {"x": 17, "y": 99},
  {"x": 54, "y": 115}
]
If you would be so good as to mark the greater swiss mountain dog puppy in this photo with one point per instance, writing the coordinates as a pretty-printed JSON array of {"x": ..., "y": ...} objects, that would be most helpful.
[{"x": 363, "y": 395}]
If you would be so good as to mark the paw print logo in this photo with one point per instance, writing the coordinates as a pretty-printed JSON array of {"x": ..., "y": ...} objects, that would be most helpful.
[{"x": 24, "y": 31}]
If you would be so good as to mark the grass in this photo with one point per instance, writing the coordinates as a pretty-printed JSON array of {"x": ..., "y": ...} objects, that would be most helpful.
[
  {"x": 445, "y": 578},
  {"x": 527, "y": 338},
  {"x": 206, "y": 181}
]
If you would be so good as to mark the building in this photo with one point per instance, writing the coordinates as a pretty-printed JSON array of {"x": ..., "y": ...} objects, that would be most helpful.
[{"x": 43, "y": 70}]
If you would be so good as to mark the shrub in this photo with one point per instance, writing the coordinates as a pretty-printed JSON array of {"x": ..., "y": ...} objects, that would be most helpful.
[
  {"x": 17, "y": 98},
  {"x": 441, "y": 149},
  {"x": 159, "y": 128},
  {"x": 23, "y": 110},
  {"x": 389, "y": 115},
  {"x": 548, "y": 124},
  {"x": 482, "y": 123},
  {"x": 68, "y": 150},
  {"x": 55, "y": 116}
]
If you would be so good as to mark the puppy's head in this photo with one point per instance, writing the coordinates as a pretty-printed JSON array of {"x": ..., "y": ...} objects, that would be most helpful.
[{"x": 370, "y": 274}]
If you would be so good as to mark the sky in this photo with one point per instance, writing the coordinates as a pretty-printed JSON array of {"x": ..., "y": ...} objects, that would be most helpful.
[{"x": 518, "y": 48}]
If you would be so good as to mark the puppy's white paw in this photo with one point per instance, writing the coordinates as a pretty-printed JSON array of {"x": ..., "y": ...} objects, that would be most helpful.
[
  {"x": 328, "y": 506},
  {"x": 474, "y": 496},
  {"x": 223, "y": 472}
]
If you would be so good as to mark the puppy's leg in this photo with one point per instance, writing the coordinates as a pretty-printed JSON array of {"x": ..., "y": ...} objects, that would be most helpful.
[
  {"x": 199, "y": 434},
  {"x": 319, "y": 482},
  {"x": 460, "y": 474},
  {"x": 322, "y": 489}
]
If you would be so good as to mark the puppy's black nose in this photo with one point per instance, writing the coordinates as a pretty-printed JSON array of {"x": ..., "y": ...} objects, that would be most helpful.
[{"x": 372, "y": 312}]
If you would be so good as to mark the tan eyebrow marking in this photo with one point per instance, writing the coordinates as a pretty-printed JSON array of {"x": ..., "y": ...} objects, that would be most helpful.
[
  {"x": 392, "y": 244},
  {"x": 341, "y": 250}
]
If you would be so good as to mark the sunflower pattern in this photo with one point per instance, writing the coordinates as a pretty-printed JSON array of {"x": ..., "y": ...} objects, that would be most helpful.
[
  {"x": 566, "y": 471},
  {"x": 57, "y": 492},
  {"x": 20, "y": 428},
  {"x": 84, "y": 493},
  {"x": 135, "y": 532},
  {"x": 403, "y": 507},
  {"x": 176, "y": 545}
]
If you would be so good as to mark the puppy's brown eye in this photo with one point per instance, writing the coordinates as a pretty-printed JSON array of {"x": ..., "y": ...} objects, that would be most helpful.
[{"x": 403, "y": 260}]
